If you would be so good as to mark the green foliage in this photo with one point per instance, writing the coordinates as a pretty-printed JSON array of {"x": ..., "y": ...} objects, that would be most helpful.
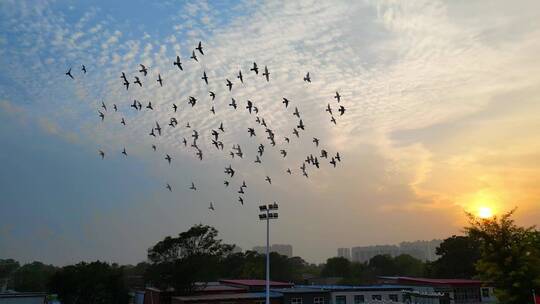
[
  {"x": 366, "y": 273},
  {"x": 180, "y": 262},
  {"x": 336, "y": 267},
  {"x": 458, "y": 256},
  {"x": 32, "y": 277},
  {"x": 89, "y": 283},
  {"x": 509, "y": 257},
  {"x": 7, "y": 267}
]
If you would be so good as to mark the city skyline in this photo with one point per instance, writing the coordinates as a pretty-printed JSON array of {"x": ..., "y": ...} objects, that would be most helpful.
[{"x": 441, "y": 119}]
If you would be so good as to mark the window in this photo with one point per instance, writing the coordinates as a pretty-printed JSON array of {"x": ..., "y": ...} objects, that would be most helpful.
[
  {"x": 393, "y": 297},
  {"x": 296, "y": 300},
  {"x": 359, "y": 299},
  {"x": 318, "y": 300},
  {"x": 341, "y": 300},
  {"x": 485, "y": 293},
  {"x": 376, "y": 297}
]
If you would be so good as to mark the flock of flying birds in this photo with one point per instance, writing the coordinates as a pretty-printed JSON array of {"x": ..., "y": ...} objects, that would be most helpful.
[{"x": 315, "y": 161}]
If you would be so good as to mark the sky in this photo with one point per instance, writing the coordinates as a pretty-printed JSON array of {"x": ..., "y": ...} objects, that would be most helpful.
[{"x": 442, "y": 115}]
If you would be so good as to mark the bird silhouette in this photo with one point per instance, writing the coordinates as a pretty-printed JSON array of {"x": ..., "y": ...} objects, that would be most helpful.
[
  {"x": 233, "y": 103},
  {"x": 307, "y": 78},
  {"x": 102, "y": 154},
  {"x": 168, "y": 187},
  {"x": 285, "y": 102},
  {"x": 124, "y": 152},
  {"x": 255, "y": 68},
  {"x": 152, "y": 133},
  {"x": 175, "y": 107},
  {"x": 251, "y": 132},
  {"x": 192, "y": 187},
  {"x": 296, "y": 112},
  {"x": 333, "y": 162},
  {"x": 240, "y": 76},
  {"x": 243, "y": 184},
  {"x": 212, "y": 94},
  {"x": 226, "y": 183},
  {"x": 229, "y": 84},
  {"x": 103, "y": 106},
  {"x": 143, "y": 70},
  {"x": 268, "y": 179},
  {"x": 283, "y": 153},
  {"x": 68, "y": 73},
  {"x": 257, "y": 159},
  {"x": 158, "y": 128},
  {"x": 241, "y": 200},
  {"x": 154, "y": 148},
  {"x": 149, "y": 106},
  {"x": 316, "y": 141},
  {"x": 184, "y": 140},
  {"x": 341, "y": 110},
  {"x": 123, "y": 121},
  {"x": 301, "y": 125},
  {"x": 194, "y": 57},
  {"x": 115, "y": 107},
  {"x": 83, "y": 68},
  {"x": 211, "y": 206},
  {"x": 338, "y": 158},
  {"x": 329, "y": 109},
  {"x": 338, "y": 97},
  {"x": 168, "y": 158},
  {"x": 221, "y": 127},
  {"x": 324, "y": 154},
  {"x": 295, "y": 132},
  {"x": 138, "y": 81},
  {"x": 126, "y": 83},
  {"x": 333, "y": 120},
  {"x": 204, "y": 77},
  {"x": 287, "y": 139},
  {"x": 200, "y": 48},
  {"x": 178, "y": 63},
  {"x": 241, "y": 191},
  {"x": 266, "y": 74},
  {"x": 101, "y": 115},
  {"x": 213, "y": 110},
  {"x": 160, "y": 80},
  {"x": 289, "y": 171}
]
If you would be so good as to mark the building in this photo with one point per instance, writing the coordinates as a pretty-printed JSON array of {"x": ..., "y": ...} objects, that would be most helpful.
[
  {"x": 283, "y": 249},
  {"x": 230, "y": 298},
  {"x": 23, "y": 298},
  {"x": 255, "y": 285},
  {"x": 343, "y": 294},
  {"x": 303, "y": 295},
  {"x": 344, "y": 253},
  {"x": 422, "y": 250},
  {"x": 456, "y": 291}
]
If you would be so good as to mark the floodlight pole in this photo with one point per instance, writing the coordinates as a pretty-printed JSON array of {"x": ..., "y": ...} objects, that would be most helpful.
[
  {"x": 267, "y": 215},
  {"x": 267, "y": 255}
]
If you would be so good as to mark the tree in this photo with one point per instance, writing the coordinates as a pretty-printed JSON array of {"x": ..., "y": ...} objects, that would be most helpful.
[
  {"x": 458, "y": 256},
  {"x": 89, "y": 283},
  {"x": 336, "y": 267},
  {"x": 195, "y": 255},
  {"x": 383, "y": 264},
  {"x": 32, "y": 277},
  {"x": 7, "y": 267},
  {"x": 509, "y": 257},
  {"x": 408, "y": 265}
]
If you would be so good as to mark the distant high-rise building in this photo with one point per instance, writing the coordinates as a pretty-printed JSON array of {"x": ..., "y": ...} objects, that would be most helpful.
[
  {"x": 422, "y": 250},
  {"x": 283, "y": 249},
  {"x": 344, "y": 253}
]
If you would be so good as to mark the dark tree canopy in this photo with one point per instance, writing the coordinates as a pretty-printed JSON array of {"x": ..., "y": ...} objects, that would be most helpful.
[
  {"x": 336, "y": 267},
  {"x": 458, "y": 256},
  {"x": 32, "y": 277},
  {"x": 89, "y": 283},
  {"x": 509, "y": 257}
]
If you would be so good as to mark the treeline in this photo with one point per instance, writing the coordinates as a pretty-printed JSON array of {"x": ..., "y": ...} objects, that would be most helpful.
[{"x": 494, "y": 250}]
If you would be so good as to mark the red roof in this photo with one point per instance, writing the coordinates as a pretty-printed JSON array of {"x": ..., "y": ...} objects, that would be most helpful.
[
  {"x": 405, "y": 280},
  {"x": 255, "y": 283}
]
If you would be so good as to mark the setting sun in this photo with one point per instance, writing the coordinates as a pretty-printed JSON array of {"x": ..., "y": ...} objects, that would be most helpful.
[{"x": 485, "y": 212}]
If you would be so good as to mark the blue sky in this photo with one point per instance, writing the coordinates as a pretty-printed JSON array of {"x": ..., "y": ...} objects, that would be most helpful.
[{"x": 441, "y": 119}]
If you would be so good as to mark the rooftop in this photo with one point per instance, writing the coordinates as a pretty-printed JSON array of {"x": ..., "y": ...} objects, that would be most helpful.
[
  {"x": 355, "y": 287},
  {"x": 406, "y": 280},
  {"x": 231, "y": 296},
  {"x": 255, "y": 283}
]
